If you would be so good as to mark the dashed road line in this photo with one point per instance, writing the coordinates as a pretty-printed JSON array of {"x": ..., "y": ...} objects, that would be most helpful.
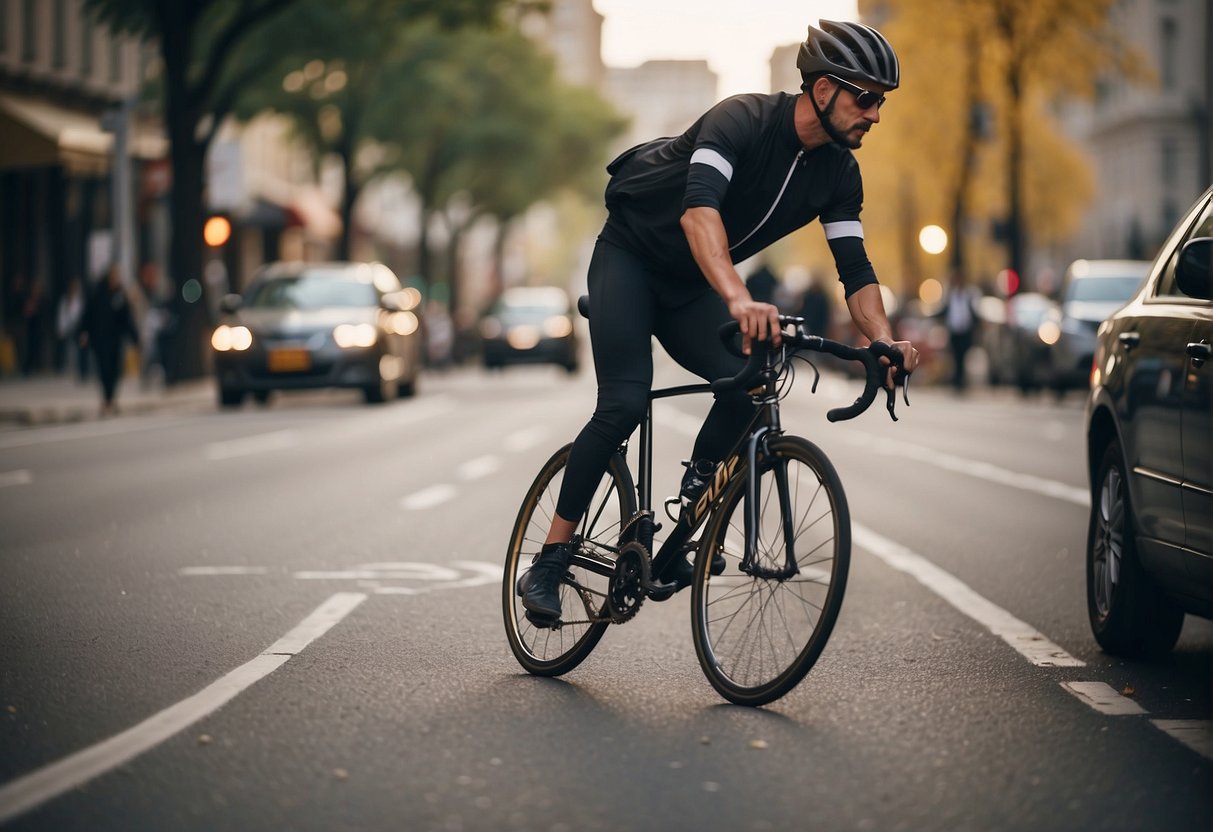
[
  {"x": 479, "y": 467},
  {"x": 221, "y": 570},
  {"x": 34, "y": 789},
  {"x": 20, "y": 477},
  {"x": 1196, "y": 734},
  {"x": 259, "y": 443},
  {"x": 1104, "y": 698},
  {"x": 428, "y": 497}
]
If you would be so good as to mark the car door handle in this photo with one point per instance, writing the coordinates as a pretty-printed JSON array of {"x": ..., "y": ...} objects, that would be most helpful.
[
  {"x": 1199, "y": 353},
  {"x": 1129, "y": 340}
]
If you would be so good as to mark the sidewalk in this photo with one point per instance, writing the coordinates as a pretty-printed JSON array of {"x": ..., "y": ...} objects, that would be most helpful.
[{"x": 53, "y": 399}]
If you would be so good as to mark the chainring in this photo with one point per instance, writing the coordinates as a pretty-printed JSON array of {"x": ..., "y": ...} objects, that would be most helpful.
[{"x": 625, "y": 593}]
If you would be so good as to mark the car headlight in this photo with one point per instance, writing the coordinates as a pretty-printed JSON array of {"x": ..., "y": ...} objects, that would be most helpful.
[
  {"x": 402, "y": 323},
  {"x": 226, "y": 338},
  {"x": 355, "y": 335},
  {"x": 491, "y": 328},
  {"x": 1049, "y": 332},
  {"x": 557, "y": 326}
]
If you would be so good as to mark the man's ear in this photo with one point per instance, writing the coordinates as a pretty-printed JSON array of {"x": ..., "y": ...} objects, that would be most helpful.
[{"x": 821, "y": 90}]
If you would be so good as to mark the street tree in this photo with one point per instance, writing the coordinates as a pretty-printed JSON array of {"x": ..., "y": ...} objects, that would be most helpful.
[
  {"x": 212, "y": 53},
  {"x": 336, "y": 62},
  {"x": 966, "y": 138},
  {"x": 197, "y": 40},
  {"x": 484, "y": 128}
]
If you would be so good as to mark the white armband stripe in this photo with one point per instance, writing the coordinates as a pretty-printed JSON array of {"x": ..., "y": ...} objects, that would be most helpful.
[
  {"x": 848, "y": 228},
  {"x": 709, "y": 157}
]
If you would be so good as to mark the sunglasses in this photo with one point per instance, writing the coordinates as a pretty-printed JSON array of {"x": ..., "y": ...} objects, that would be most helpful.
[{"x": 863, "y": 98}]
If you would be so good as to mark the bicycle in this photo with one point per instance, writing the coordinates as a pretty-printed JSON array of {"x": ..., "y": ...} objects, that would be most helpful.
[{"x": 775, "y": 510}]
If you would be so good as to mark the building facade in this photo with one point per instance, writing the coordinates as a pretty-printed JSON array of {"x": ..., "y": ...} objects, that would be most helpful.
[
  {"x": 663, "y": 97},
  {"x": 1150, "y": 142},
  {"x": 63, "y": 81}
]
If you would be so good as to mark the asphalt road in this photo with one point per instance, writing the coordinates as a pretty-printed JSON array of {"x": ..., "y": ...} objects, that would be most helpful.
[{"x": 289, "y": 618}]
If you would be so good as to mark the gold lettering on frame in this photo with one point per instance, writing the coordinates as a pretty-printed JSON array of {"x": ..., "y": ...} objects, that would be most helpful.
[{"x": 724, "y": 473}]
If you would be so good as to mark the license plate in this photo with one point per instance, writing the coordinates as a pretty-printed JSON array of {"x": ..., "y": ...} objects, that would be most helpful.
[{"x": 290, "y": 361}]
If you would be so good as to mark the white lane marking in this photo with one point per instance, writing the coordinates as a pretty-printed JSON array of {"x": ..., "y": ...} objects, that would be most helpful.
[
  {"x": 428, "y": 497},
  {"x": 259, "y": 443},
  {"x": 37, "y": 787},
  {"x": 479, "y": 467},
  {"x": 19, "y": 477},
  {"x": 222, "y": 570},
  {"x": 1104, "y": 698},
  {"x": 973, "y": 468},
  {"x": 525, "y": 439},
  {"x": 61, "y": 433},
  {"x": 1196, "y": 734},
  {"x": 1030, "y": 643}
]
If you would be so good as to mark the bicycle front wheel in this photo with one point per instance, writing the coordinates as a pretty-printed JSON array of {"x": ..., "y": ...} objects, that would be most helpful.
[
  {"x": 547, "y": 651},
  {"x": 761, "y": 625}
]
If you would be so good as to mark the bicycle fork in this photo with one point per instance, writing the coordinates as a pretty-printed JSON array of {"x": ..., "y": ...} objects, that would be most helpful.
[{"x": 749, "y": 561}]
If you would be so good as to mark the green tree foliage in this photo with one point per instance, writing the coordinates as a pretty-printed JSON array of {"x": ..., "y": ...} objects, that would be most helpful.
[
  {"x": 483, "y": 127},
  {"x": 214, "y": 52}
]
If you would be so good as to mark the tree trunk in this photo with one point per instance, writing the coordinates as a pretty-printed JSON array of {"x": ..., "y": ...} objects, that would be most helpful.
[
  {"x": 968, "y": 152},
  {"x": 187, "y": 340},
  {"x": 349, "y": 195},
  {"x": 1016, "y": 233}
]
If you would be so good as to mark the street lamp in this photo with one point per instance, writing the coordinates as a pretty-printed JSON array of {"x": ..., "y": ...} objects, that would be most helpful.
[{"x": 933, "y": 239}]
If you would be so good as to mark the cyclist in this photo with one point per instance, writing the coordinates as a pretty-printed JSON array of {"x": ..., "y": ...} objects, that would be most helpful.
[{"x": 682, "y": 212}]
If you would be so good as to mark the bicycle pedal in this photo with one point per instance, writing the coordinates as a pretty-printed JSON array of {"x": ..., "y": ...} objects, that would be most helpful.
[
  {"x": 543, "y": 621},
  {"x": 659, "y": 591}
]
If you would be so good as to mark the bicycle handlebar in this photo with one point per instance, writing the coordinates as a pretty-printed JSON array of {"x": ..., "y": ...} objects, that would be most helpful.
[{"x": 875, "y": 372}]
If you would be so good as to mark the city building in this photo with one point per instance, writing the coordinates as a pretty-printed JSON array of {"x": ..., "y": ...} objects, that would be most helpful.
[
  {"x": 63, "y": 81},
  {"x": 1149, "y": 142},
  {"x": 785, "y": 77},
  {"x": 663, "y": 97},
  {"x": 572, "y": 31}
]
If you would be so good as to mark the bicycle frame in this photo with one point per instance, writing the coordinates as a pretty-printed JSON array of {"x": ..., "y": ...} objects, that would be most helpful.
[{"x": 764, "y": 424}]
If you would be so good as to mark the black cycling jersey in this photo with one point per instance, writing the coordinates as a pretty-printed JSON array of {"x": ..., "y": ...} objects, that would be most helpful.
[{"x": 743, "y": 158}]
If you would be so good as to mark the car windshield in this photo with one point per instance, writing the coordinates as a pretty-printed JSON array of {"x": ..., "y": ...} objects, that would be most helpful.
[
  {"x": 1118, "y": 288},
  {"x": 319, "y": 290},
  {"x": 531, "y": 306}
]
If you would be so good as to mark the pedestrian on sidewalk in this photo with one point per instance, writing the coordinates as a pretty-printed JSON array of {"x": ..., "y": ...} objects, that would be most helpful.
[
  {"x": 960, "y": 314},
  {"x": 106, "y": 322}
]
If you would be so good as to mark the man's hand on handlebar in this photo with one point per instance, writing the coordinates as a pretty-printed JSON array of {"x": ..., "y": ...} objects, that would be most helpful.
[
  {"x": 758, "y": 321},
  {"x": 909, "y": 358}
]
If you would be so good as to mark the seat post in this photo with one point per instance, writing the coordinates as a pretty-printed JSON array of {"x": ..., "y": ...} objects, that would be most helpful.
[{"x": 645, "y": 471}]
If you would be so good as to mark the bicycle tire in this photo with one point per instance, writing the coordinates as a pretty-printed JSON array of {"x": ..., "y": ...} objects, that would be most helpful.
[
  {"x": 544, "y": 651},
  {"x": 757, "y": 637}
]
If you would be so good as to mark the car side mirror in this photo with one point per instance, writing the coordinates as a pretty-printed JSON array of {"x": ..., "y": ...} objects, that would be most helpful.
[
  {"x": 228, "y": 304},
  {"x": 1192, "y": 270}
]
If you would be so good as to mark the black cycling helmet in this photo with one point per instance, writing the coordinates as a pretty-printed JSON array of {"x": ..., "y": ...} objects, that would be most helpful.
[{"x": 848, "y": 50}]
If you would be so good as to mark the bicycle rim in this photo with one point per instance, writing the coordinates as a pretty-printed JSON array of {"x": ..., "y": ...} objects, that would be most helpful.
[
  {"x": 542, "y": 650},
  {"x": 756, "y": 637}
]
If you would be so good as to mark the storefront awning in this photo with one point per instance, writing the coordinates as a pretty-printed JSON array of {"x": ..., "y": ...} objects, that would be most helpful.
[{"x": 37, "y": 133}]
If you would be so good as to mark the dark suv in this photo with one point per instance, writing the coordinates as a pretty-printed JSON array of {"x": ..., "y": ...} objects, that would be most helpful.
[{"x": 1150, "y": 451}]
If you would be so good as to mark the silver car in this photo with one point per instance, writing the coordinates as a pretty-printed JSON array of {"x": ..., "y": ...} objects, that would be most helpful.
[
  {"x": 318, "y": 325},
  {"x": 1091, "y": 291}
]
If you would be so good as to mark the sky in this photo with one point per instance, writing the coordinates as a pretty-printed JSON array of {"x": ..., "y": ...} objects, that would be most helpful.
[{"x": 736, "y": 37}]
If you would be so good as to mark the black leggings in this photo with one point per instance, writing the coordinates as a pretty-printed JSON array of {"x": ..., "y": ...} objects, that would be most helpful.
[{"x": 629, "y": 304}]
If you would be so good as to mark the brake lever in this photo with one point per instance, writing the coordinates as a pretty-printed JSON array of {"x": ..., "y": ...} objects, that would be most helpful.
[{"x": 892, "y": 393}]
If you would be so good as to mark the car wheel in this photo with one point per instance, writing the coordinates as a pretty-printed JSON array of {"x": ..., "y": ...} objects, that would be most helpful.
[
  {"x": 1129, "y": 615},
  {"x": 230, "y": 397},
  {"x": 261, "y": 397}
]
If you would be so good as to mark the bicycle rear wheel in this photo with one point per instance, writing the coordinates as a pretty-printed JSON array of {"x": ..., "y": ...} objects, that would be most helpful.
[
  {"x": 547, "y": 651},
  {"x": 759, "y": 629}
]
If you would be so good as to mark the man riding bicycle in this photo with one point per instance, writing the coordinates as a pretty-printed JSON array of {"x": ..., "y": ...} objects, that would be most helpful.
[{"x": 682, "y": 212}]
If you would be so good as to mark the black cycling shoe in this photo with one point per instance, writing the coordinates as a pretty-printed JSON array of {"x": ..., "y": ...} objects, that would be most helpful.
[
  {"x": 681, "y": 572},
  {"x": 539, "y": 586}
]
